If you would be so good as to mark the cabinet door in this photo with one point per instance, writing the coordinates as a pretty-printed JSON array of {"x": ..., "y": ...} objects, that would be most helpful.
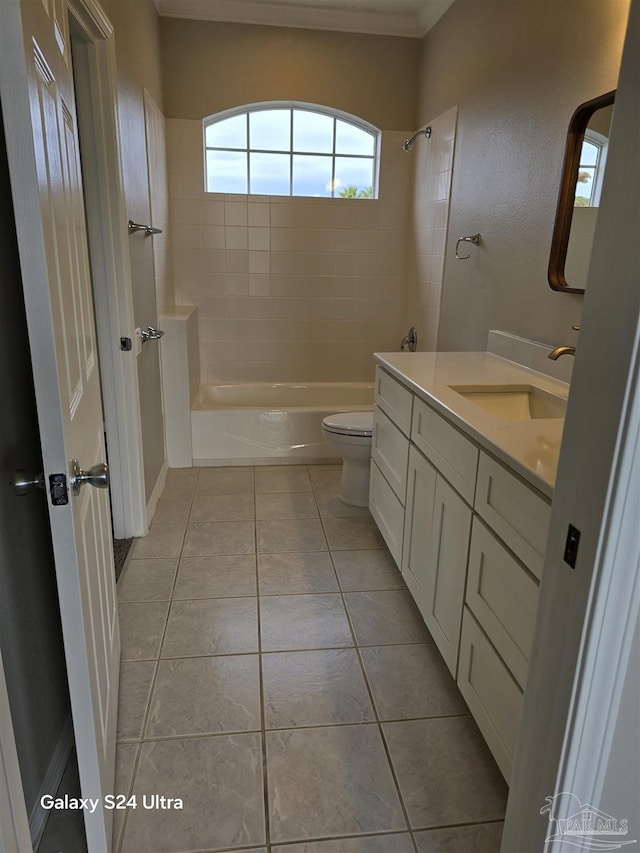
[
  {"x": 418, "y": 520},
  {"x": 448, "y": 574},
  {"x": 436, "y": 544}
]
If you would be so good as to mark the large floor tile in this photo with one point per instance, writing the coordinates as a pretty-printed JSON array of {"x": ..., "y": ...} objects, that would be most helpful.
[
  {"x": 282, "y": 478},
  {"x": 234, "y": 507},
  {"x": 147, "y": 580},
  {"x": 275, "y": 505},
  {"x": 362, "y": 570},
  {"x": 219, "y": 537},
  {"x": 397, "y": 843},
  {"x": 173, "y": 509},
  {"x": 180, "y": 482},
  {"x": 216, "y": 577},
  {"x": 411, "y": 681},
  {"x": 133, "y": 697},
  {"x": 194, "y": 696},
  {"x": 141, "y": 628},
  {"x": 225, "y": 481},
  {"x": 211, "y": 626},
  {"x": 282, "y": 574},
  {"x": 478, "y": 838},
  {"x": 289, "y": 622},
  {"x": 445, "y": 772},
  {"x": 349, "y": 791},
  {"x": 352, "y": 534},
  {"x": 304, "y": 534},
  {"x": 219, "y": 780},
  {"x": 162, "y": 540},
  {"x": 325, "y": 478},
  {"x": 316, "y": 688},
  {"x": 331, "y": 506},
  {"x": 381, "y": 618}
]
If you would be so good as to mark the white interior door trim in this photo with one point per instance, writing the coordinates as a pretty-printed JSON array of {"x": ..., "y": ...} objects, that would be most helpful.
[
  {"x": 96, "y": 95},
  {"x": 14, "y": 823}
]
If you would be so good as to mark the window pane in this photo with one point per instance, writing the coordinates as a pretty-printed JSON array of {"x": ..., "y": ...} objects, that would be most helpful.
[
  {"x": 354, "y": 177},
  {"x": 226, "y": 172},
  {"x": 270, "y": 174},
  {"x": 229, "y": 133},
  {"x": 584, "y": 186},
  {"x": 589, "y": 154},
  {"x": 311, "y": 175},
  {"x": 312, "y": 132},
  {"x": 352, "y": 140},
  {"x": 270, "y": 129}
]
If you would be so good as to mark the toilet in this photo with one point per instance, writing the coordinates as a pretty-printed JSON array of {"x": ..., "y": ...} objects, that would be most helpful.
[{"x": 349, "y": 434}]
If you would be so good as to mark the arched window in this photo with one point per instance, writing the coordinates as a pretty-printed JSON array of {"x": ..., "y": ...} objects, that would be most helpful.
[
  {"x": 593, "y": 157},
  {"x": 291, "y": 149}
]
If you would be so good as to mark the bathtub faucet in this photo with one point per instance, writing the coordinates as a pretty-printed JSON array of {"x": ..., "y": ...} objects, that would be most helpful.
[{"x": 410, "y": 340}]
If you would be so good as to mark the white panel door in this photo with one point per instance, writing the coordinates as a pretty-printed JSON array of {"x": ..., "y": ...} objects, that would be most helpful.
[{"x": 42, "y": 142}]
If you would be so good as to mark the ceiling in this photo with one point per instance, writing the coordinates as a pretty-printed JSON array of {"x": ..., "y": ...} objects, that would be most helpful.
[{"x": 412, "y": 18}]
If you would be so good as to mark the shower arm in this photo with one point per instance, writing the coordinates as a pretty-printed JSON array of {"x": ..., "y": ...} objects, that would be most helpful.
[{"x": 407, "y": 145}]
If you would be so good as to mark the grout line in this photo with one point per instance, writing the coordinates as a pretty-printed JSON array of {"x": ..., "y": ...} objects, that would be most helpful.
[
  {"x": 263, "y": 735},
  {"x": 378, "y": 722}
]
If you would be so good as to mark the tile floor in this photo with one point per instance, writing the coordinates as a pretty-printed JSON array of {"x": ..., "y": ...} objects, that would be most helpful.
[{"x": 277, "y": 677}]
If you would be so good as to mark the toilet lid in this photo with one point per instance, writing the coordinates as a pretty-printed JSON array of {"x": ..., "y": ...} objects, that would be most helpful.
[{"x": 350, "y": 423}]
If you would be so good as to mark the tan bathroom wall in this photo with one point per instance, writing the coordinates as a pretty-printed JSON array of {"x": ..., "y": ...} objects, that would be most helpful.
[
  {"x": 209, "y": 66},
  {"x": 517, "y": 70},
  {"x": 137, "y": 37}
]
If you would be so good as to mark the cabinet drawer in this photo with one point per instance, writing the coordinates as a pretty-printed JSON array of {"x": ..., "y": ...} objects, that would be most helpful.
[
  {"x": 390, "y": 450},
  {"x": 394, "y": 399},
  {"x": 503, "y": 597},
  {"x": 449, "y": 450},
  {"x": 493, "y": 696},
  {"x": 387, "y": 512},
  {"x": 518, "y": 515}
]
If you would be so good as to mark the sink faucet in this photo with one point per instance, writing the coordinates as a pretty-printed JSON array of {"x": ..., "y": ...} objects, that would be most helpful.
[{"x": 555, "y": 354}]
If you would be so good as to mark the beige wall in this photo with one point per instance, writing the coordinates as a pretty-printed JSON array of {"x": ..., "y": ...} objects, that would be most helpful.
[
  {"x": 516, "y": 69},
  {"x": 137, "y": 37},
  {"x": 208, "y": 67}
]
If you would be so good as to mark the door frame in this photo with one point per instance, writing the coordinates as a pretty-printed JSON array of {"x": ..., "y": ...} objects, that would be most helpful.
[{"x": 107, "y": 234}]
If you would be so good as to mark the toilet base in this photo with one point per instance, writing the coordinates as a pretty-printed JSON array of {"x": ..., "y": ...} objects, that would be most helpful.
[{"x": 354, "y": 484}]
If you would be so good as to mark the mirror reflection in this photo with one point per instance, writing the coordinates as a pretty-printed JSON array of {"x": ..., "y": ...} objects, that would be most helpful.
[{"x": 579, "y": 200}]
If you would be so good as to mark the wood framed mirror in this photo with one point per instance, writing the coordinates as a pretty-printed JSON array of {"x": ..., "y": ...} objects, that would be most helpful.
[{"x": 584, "y": 164}]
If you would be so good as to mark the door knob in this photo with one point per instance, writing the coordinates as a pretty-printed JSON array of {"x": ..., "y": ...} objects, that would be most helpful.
[
  {"x": 24, "y": 483},
  {"x": 97, "y": 476}
]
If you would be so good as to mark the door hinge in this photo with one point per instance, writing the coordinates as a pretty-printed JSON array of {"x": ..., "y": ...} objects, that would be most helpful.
[{"x": 58, "y": 489}]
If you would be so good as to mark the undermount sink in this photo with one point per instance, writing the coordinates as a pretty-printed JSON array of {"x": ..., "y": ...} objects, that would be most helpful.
[{"x": 514, "y": 402}]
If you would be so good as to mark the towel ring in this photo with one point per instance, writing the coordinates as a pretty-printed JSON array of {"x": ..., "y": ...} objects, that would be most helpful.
[{"x": 475, "y": 239}]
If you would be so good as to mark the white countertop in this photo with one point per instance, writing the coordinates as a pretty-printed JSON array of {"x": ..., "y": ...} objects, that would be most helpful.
[{"x": 530, "y": 447}]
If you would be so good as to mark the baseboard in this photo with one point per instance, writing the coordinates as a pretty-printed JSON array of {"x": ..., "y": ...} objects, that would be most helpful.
[
  {"x": 152, "y": 503},
  {"x": 51, "y": 781}
]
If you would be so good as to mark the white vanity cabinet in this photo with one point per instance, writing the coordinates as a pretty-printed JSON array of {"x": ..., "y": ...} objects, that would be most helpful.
[
  {"x": 469, "y": 536},
  {"x": 437, "y": 527}
]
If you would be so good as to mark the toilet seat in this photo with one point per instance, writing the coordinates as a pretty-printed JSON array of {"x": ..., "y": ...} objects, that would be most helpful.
[{"x": 350, "y": 423}]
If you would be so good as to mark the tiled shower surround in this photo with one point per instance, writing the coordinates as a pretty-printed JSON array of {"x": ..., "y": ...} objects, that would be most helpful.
[
  {"x": 278, "y": 678},
  {"x": 288, "y": 289}
]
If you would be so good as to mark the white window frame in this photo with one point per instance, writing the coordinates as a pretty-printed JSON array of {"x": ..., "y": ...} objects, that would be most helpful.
[
  {"x": 330, "y": 112},
  {"x": 601, "y": 142}
]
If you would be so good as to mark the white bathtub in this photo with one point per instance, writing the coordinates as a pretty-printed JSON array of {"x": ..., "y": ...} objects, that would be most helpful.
[{"x": 268, "y": 423}]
